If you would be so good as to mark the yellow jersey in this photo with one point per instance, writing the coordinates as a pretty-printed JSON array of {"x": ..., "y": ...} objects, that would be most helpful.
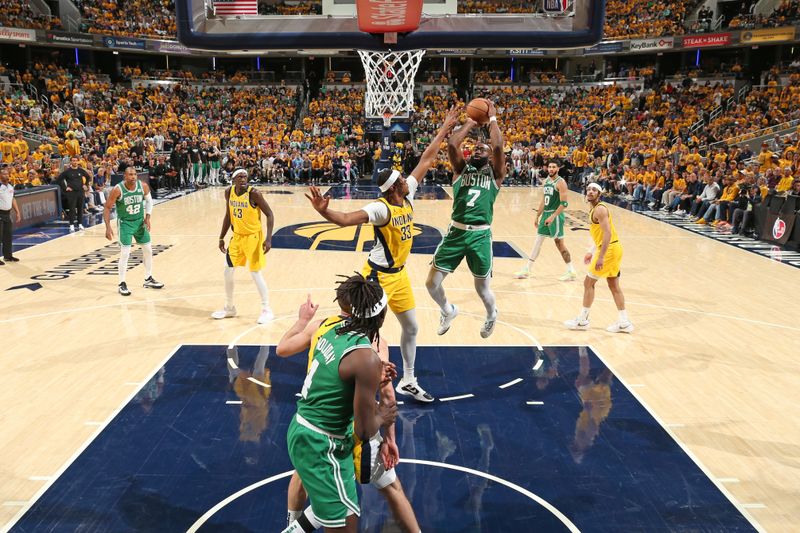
[
  {"x": 327, "y": 324},
  {"x": 393, "y": 239},
  {"x": 596, "y": 231},
  {"x": 245, "y": 218}
]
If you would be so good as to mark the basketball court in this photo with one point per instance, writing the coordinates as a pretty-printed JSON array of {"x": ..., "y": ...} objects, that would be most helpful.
[{"x": 125, "y": 413}]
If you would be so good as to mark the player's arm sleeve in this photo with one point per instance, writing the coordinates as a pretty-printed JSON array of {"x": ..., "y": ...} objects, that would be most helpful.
[
  {"x": 377, "y": 212},
  {"x": 413, "y": 184}
]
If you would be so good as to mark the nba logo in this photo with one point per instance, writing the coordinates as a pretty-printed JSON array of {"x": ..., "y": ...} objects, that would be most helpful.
[
  {"x": 778, "y": 229},
  {"x": 555, "y": 6}
]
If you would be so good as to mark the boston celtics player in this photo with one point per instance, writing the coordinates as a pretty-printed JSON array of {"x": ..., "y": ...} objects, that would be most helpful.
[
  {"x": 392, "y": 218},
  {"x": 338, "y": 395},
  {"x": 550, "y": 221},
  {"x": 475, "y": 187},
  {"x": 248, "y": 246},
  {"x": 134, "y": 205}
]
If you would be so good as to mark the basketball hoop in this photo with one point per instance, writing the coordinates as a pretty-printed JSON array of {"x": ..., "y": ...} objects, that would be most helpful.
[
  {"x": 390, "y": 82},
  {"x": 387, "y": 119}
]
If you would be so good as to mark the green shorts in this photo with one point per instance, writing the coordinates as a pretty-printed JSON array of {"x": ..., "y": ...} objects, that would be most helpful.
[
  {"x": 476, "y": 246},
  {"x": 129, "y": 230},
  {"x": 556, "y": 228},
  {"x": 325, "y": 465}
]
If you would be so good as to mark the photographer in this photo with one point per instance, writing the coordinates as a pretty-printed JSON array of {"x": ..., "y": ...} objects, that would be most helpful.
[{"x": 748, "y": 197}]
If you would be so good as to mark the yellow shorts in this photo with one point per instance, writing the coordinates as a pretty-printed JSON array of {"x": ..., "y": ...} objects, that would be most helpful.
[
  {"x": 397, "y": 287},
  {"x": 247, "y": 249},
  {"x": 611, "y": 263}
]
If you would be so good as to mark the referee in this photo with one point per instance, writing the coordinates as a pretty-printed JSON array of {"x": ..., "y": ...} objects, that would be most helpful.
[{"x": 7, "y": 203}]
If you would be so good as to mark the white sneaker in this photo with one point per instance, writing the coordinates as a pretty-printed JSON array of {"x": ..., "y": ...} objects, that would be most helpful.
[
  {"x": 80, "y": 227},
  {"x": 619, "y": 327},
  {"x": 410, "y": 387},
  {"x": 266, "y": 316},
  {"x": 569, "y": 275},
  {"x": 577, "y": 323},
  {"x": 446, "y": 320},
  {"x": 680, "y": 212},
  {"x": 651, "y": 205},
  {"x": 522, "y": 274},
  {"x": 71, "y": 228},
  {"x": 488, "y": 326},
  {"x": 225, "y": 312}
]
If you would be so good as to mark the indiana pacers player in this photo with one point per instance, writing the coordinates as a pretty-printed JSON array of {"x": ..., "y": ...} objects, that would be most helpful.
[
  {"x": 392, "y": 217},
  {"x": 243, "y": 208},
  {"x": 607, "y": 253},
  {"x": 475, "y": 187}
]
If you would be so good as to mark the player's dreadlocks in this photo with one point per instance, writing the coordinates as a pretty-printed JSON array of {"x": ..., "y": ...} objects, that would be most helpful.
[{"x": 363, "y": 297}]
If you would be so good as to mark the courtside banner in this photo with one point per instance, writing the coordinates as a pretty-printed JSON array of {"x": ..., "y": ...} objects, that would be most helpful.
[
  {"x": 384, "y": 16},
  {"x": 768, "y": 35},
  {"x": 38, "y": 205},
  {"x": 701, "y": 41},
  {"x": 17, "y": 34},
  {"x": 777, "y": 228},
  {"x": 646, "y": 45}
]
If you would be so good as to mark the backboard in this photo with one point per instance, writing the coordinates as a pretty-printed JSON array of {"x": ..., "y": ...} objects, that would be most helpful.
[{"x": 444, "y": 24}]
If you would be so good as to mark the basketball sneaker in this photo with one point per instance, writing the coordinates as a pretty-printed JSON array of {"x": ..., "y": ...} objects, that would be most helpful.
[
  {"x": 71, "y": 228},
  {"x": 410, "y": 387},
  {"x": 619, "y": 327},
  {"x": 445, "y": 320},
  {"x": 488, "y": 325},
  {"x": 80, "y": 227},
  {"x": 266, "y": 316},
  {"x": 577, "y": 323},
  {"x": 225, "y": 312},
  {"x": 123, "y": 289},
  {"x": 569, "y": 275},
  {"x": 522, "y": 274},
  {"x": 151, "y": 283}
]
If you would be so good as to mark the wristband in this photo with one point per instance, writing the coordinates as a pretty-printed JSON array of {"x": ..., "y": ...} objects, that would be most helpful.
[
  {"x": 565, "y": 204},
  {"x": 492, "y": 119}
]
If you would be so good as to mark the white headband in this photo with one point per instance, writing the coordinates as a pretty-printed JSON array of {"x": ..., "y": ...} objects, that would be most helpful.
[
  {"x": 376, "y": 309},
  {"x": 237, "y": 172},
  {"x": 388, "y": 183},
  {"x": 594, "y": 186}
]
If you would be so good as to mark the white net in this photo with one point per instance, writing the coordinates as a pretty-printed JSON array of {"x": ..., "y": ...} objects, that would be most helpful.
[{"x": 390, "y": 82}]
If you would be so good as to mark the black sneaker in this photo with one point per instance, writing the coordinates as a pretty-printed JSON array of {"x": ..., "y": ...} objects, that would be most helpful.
[
  {"x": 123, "y": 289},
  {"x": 412, "y": 388},
  {"x": 151, "y": 283},
  {"x": 11, "y": 259},
  {"x": 1, "y": 262}
]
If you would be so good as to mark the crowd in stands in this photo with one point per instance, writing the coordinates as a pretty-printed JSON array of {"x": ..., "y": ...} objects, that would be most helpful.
[
  {"x": 131, "y": 18},
  {"x": 644, "y": 18},
  {"x": 787, "y": 13},
  {"x": 489, "y": 6},
  {"x": 18, "y": 14},
  {"x": 266, "y": 7}
]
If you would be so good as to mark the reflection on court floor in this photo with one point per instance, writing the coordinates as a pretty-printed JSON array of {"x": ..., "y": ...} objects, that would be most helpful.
[{"x": 517, "y": 441}]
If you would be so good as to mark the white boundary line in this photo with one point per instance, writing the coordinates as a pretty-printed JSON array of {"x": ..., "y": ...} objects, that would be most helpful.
[
  {"x": 510, "y": 383},
  {"x": 686, "y": 450},
  {"x": 461, "y": 397},
  {"x": 513, "y": 486},
  {"x": 85, "y": 445},
  {"x": 534, "y": 402}
]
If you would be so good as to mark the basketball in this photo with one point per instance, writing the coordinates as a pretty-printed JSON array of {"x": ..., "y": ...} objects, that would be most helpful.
[{"x": 478, "y": 110}]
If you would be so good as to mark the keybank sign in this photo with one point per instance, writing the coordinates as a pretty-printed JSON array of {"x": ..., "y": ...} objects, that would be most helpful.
[{"x": 646, "y": 45}]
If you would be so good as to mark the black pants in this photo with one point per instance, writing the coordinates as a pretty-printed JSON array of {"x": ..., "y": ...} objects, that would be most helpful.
[
  {"x": 5, "y": 233},
  {"x": 75, "y": 204}
]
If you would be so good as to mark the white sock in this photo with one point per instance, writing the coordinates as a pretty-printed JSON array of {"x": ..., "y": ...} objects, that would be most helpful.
[
  {"x": 261, "y": 285},
  {"x": 584, "y": 314},
  {"x": 229, "y": 287},
  {"x": 570, "y": 268},
  {"x": 436, "y": 290},
  {"x": 122, "y": 266},
  {"x": 408, "y": 341},
  {"x": 623, "y": 317},
  {"x": 147, "y": 254},
  {"x": 484, "y": 289}
]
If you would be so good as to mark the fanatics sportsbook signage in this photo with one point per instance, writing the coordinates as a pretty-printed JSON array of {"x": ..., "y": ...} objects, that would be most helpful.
[
  {"x": 646, "y": 45},
  {"x": 63, "y": 37},
  {"x": 123, "y": 42},
  {"x": 17, "y": 34},
  {"x": 711, "y": 39}
]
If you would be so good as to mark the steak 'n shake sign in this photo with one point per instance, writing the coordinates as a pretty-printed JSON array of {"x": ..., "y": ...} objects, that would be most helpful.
[{"x": 711, "y": 39}]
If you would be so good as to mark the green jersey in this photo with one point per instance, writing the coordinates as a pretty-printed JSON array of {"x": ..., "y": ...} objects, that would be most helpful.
[
  {"x": 474, "y": 193},
  {"x": 130, "y": 204},
  {"x": 552, "y": 198},
  {"x": 326, "y": 401}
]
